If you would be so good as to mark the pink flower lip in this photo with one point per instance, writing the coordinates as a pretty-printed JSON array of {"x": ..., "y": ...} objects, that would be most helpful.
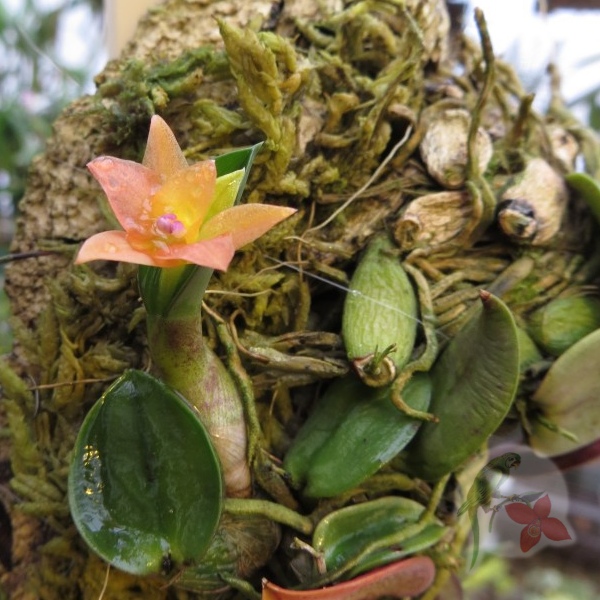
[{"x": 170, "y": 225}]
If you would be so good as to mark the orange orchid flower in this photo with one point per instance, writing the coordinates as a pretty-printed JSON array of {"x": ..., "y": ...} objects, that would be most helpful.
[{"x": 173, "y": 213}]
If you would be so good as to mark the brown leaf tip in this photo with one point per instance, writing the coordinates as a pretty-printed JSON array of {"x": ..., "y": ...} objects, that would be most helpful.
[{"x": 484, "y": 295}]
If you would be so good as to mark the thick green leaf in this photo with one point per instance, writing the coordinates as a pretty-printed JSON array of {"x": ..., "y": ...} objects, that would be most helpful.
[
  {"x": 381, "y": 309},
  {"x": 367, "y": 532},
  {"x": 145, "y": 483},
  {"x": 354, "y": 430},
  {"x": 562, "y": 322},
  {"x": 474, "y": 383},
  {"x": 428, "y": 536},
  {"x": 568, "y": 398}
]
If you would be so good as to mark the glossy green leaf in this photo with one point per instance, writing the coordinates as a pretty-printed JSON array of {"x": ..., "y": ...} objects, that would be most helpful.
[
  {"x": 367, "y": 532},
  {"x": 324, "y": 419},
  {"x": 353, "y": 431},
  {"x": 428, "y": 536},
  {"x": 474, "y": 383},
  {"x": 568, "y": 398},
  {"x": 145, "y": 483}
]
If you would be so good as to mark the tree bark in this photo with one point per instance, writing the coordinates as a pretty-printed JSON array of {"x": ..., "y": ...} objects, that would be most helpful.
[{"x": 331, "y": 97}]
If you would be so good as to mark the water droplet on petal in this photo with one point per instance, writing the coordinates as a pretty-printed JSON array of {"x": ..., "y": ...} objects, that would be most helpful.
[{"x": 113, "y": 183}]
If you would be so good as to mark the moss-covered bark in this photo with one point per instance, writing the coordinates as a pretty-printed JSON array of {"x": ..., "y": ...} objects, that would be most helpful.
[{"x": 332, "y": 88}]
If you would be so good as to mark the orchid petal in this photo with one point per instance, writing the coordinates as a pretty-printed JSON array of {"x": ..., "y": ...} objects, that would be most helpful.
[
  {"x": 127, "y": 185},
  {"x": 225, "y": 192},
  {"x": 245, "y": 223},
  {"x": 215, "y": 253},
  {"x": 555, "y": 530},
  {"x": 520, "y": 513},
  {"x": 543, "y": 507},
  {"x": 528, "y": 541},
  {"x": 163, "y": 154},
  {"x": 112, "y": 245}
]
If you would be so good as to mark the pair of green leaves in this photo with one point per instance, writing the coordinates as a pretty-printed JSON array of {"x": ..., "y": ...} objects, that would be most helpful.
[{"x": 353, "y": 431}]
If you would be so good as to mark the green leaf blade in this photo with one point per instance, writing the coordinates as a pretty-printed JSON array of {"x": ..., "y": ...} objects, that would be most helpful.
[
  {"x": 353, "y": 431},
  {"x": 236, "y": 160},
  {"x": 475, "y": 381},
  {"x": 145, "y": 483}
]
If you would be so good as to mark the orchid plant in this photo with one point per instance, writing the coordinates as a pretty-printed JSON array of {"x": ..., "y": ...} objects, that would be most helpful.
[{"x": 145, "y": 459}]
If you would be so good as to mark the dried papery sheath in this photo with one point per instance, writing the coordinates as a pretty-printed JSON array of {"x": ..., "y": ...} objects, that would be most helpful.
[
  {"x": 517, "y": 219},
  {"x": 375, "y": 370},
  {"x": 433, "y": 220},
  {"x": 444, "y": 147},
  {"x": 531, "y": 210},
  {"x": 564, "y": 145}
]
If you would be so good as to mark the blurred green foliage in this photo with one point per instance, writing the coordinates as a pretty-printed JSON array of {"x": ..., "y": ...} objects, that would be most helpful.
[{"x": 35, "y": 85}]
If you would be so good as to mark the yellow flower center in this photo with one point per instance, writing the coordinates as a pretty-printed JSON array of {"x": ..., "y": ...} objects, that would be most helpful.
[
  {"x": 174, "y": 213},
  {"x": 178, "y": 208}
]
